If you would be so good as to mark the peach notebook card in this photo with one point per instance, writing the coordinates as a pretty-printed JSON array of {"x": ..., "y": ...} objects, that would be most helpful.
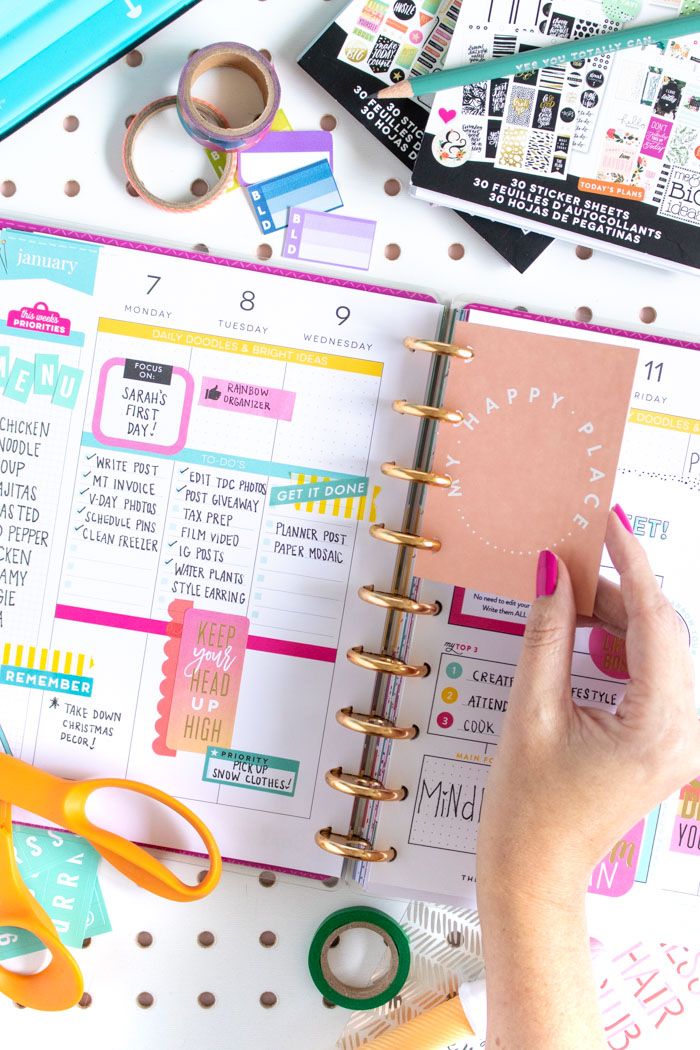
[{"x": 532, "y": 462}]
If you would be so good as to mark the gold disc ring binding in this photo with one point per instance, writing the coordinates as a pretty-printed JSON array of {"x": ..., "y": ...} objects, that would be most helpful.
[
  {"x": 398, "y": 601},
  {"x": 431, "y": 346},
  {"x": 443, "y": 415},
  {"x": 374, "y": 725},
  {"x": 407, "y": 539},
  {"x": 422, "y": 477},
  {"x": 366, "y": 787},
  {"x": 352, "y": 846},
  {"x": 385, "y": 664}
]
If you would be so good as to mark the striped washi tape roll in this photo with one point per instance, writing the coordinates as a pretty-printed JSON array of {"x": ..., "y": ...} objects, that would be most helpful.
[
  {"x": 234, "y": 56},
  {"x": 136, "y": 127}
]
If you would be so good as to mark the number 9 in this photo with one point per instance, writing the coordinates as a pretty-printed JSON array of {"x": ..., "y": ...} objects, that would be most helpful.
[{"x": 342, "y": 313}]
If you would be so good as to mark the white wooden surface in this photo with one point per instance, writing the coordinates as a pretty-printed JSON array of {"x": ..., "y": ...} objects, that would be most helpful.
[{"x": 40, "y": 160}]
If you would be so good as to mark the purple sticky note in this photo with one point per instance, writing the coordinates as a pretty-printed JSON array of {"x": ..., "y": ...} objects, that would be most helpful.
[
  {"x": 339, "y": 240},
  {"x": 282, "y": 151}
]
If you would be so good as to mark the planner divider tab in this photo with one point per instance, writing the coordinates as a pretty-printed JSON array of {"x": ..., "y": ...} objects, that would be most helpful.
[{"x": 390, "y": 663}]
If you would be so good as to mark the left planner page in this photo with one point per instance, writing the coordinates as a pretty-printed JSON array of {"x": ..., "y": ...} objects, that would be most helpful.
[{"x": 190, "y": 455}]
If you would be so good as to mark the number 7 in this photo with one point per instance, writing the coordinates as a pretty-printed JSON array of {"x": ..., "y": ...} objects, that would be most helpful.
[{"x": 155, "y": 282}]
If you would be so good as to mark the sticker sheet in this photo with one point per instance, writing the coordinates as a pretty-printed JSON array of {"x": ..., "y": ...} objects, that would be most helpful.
[
  {"x": 186, "y": 485},
  {"x": 395, "y": 39},
  {"x": 474, "y": 644},
  {"x": 605, "y": 147}
]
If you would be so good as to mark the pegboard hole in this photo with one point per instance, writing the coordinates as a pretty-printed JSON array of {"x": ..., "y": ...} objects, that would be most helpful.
[
  {"x": 85, "y": 1001},
  {"x": 145, "y": 1000},
  {"x": 392, "y": 187},
  {"x": 201, "y": 876},
  {"x": 71, "y": 123},
  {"x": 583, "y": 252},
  {"x": 328, "y": 1004},
  {"x": 206, "y": 1000},
  {"x": 584, "y": 313},
  {"x": 266, "y": 54},
  {"x": 263, "y": 252},
  {"x": 268, "y": 999},
  {"x": 199, "y": 187},
  {"x": 206, "y": 938},
  {"x": 267, "y": 879},
  {"x": 522, "y": 309},
  {"x": 268, "y": 939},
  {"x": 71, "y": 188},
  {"x": 20, "y": 1006},
  {"x": 193, "y": 52},
  {"x": 87, "y": 942},
  {"x": 134, "y": 59},
  {"x": 456, "y": 251},
  {"x": 8, "y": 188},
  {"x": 392, "y": 252},
  {"x": 647, "y": 314},
  {"x": 130, "y": 189},
  {"x": 455, "y": 939},
  {"x": 128, "y": 120},
  {"x": 328, "y": 122},
  {"x": 144, "y": 939},
  {"x": 331, "y": 882}
]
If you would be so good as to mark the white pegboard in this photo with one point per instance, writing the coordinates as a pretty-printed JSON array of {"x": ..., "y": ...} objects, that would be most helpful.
[{"x": 43, "y": 160}]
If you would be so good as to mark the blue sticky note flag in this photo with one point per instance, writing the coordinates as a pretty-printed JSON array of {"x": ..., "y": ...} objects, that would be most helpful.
[{"x": 312, "y": 186}]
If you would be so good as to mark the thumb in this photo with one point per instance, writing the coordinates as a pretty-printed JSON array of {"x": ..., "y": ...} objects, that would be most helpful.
[{"x": 544, "y": 668}]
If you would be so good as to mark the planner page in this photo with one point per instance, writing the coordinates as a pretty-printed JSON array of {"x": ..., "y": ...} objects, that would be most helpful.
[
  {"x": 190, "y": 455},
  {"x": 473, "y": 645}
]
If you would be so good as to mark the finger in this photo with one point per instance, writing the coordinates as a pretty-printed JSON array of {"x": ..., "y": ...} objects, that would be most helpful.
[
  {"x": 609, "y": 609},
  {"x": 544, "y": 668},
  {"x": 653, "y": 640}
]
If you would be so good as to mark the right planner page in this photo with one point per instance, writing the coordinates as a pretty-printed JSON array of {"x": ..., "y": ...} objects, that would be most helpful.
[{"x": 472, "y": 647}]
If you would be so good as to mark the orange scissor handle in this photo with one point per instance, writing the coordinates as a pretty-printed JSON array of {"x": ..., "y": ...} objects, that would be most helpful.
[
  {"x": 63, "y": 802},
  {"x": 60, "y": 985}
]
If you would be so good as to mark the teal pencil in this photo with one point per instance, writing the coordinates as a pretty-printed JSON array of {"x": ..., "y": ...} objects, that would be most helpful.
[{"x": 539, "y": 58}]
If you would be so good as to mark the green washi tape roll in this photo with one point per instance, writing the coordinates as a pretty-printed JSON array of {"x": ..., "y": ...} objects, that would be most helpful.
[{"x": 383, "y": 988}]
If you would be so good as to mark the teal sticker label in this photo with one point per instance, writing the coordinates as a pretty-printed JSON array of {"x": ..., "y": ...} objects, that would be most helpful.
[
  {"x": 97, "y": 919},
  {"x": 67, "y": 387},
  {"x": 246, "y": 769},
  {"x": 31, "y": 678},
  {"x": 20, "y": 380},
  {"x": 4, "y": 364},
  {"x": 57, "y": 259},
  {"x": 313, "y": 492},
  {"x": 46, "y": 368}
]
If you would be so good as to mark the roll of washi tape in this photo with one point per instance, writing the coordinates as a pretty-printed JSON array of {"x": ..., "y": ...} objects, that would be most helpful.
[
  {"x": 134, "y": 130},
  {"x": 233, "y": 56},
  {"x": 383, "y": 988}
]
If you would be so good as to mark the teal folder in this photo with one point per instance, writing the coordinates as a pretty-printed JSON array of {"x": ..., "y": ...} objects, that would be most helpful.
[{"x": 48, "y": 47}]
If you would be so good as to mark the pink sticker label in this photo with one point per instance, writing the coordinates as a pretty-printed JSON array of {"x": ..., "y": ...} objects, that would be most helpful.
[
  {"x": 686, "y": 836},
  {"x": 608, "y": 653},
  {"x": 656, "y": 138},
  {"x": 614, "y": 875},
  {"x": 207, "y": 680},
  {"x": 38, "y": 318},
  {"x": 251, "y": 398},
  {"x": 143, "y": 404},
  {"x": 686, "y": 828}
]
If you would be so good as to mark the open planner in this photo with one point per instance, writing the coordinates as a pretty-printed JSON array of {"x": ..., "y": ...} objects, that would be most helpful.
[{"x": 203, "y": 460}]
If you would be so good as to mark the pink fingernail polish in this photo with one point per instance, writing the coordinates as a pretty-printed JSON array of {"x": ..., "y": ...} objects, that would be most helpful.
[
  {"x": 547, "y": 574},
  {"x": 623, "y": 517}
]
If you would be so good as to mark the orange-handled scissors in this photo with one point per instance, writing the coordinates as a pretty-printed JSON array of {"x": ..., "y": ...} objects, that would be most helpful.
[{"x": 63, "y": 802}]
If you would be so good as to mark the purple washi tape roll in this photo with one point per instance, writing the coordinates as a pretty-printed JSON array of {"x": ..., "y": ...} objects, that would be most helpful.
[{"x": 234, "y": 56}]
